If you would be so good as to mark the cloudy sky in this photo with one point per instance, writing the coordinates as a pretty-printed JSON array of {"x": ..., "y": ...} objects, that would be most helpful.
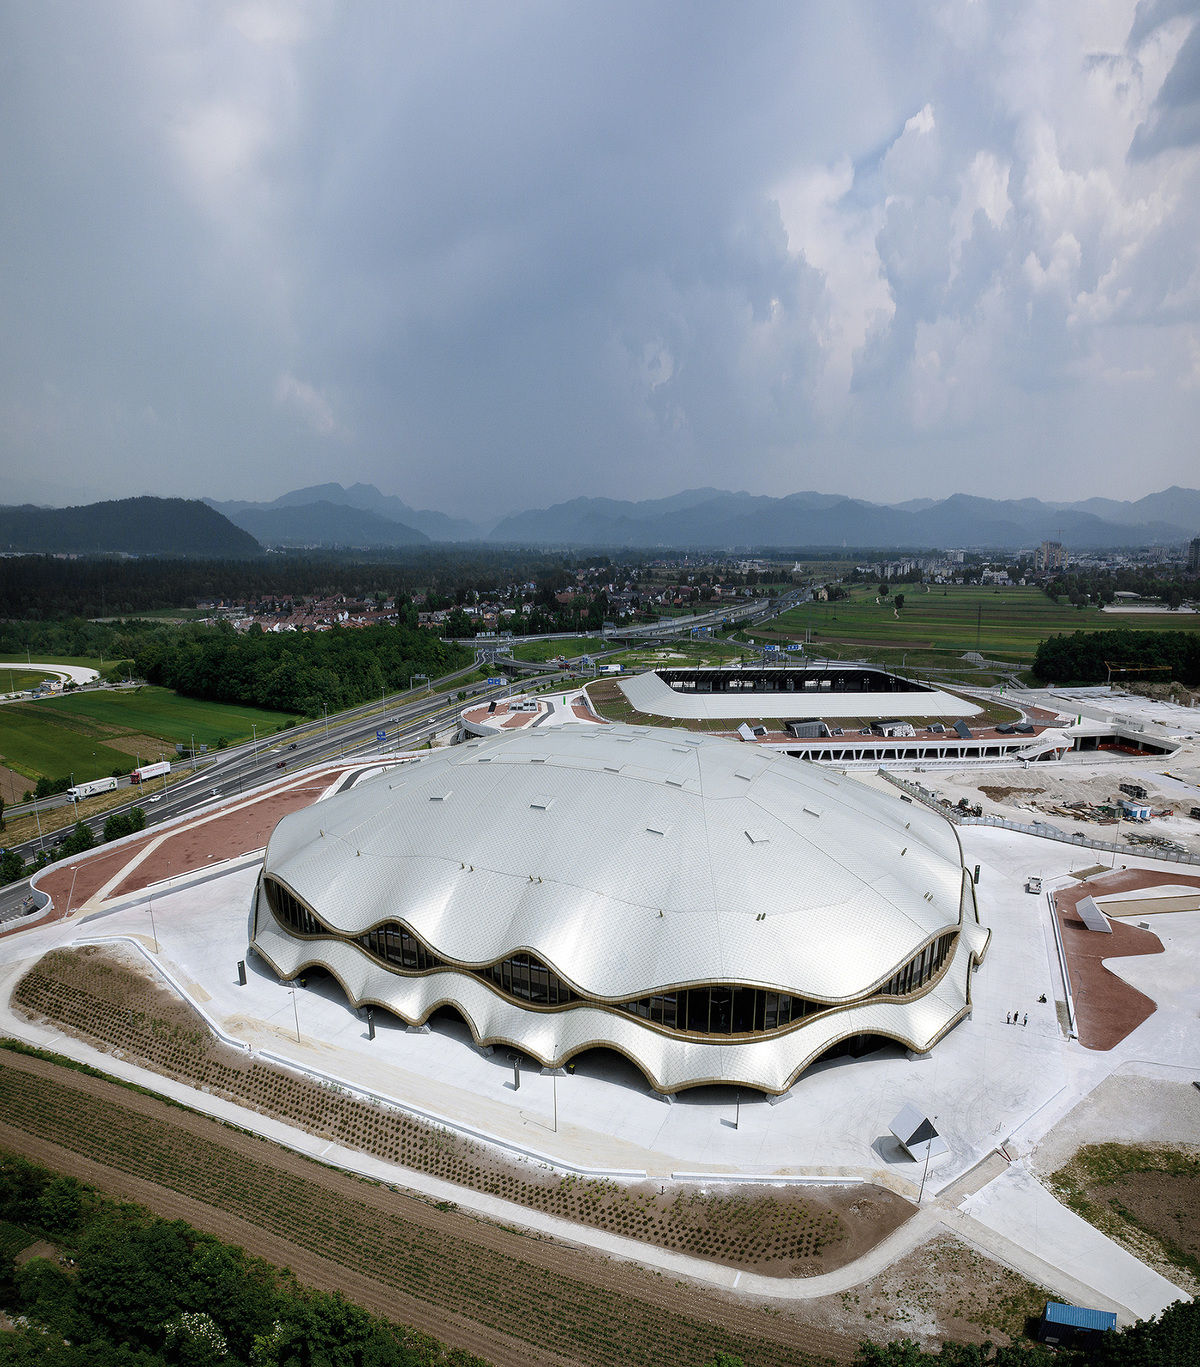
[{"x": 494, "y": 255}]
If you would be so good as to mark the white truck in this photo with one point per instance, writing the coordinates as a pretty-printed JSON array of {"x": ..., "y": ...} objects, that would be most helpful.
[
  {"x": 97, "y": 785},
  {"x": 1033, "y": 884},
  {"x": 149, "y": 771}
]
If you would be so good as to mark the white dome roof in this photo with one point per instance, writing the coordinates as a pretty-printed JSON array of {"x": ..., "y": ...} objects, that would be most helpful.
[{"x": 629, "y": 860}]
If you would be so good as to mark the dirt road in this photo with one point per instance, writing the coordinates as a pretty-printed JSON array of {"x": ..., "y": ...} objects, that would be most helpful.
[{"x": 490, "y": 1290}]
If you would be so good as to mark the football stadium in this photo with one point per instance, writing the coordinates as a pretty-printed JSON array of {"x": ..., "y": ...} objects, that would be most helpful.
[{"x": 712, "y": 911}]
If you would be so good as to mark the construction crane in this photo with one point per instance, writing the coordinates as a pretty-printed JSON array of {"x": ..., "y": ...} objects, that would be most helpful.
[{"x": 1116, "y": 667}]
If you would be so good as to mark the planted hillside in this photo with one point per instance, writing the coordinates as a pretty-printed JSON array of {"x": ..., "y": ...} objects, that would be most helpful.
[
  {"x": 1089, "y": 656},
  {"x": 294, "y": 671},
  {"x": 128, "y": 526}
]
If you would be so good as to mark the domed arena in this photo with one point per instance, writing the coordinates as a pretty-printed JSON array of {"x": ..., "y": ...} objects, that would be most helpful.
[{"x": 712, "y": 911}]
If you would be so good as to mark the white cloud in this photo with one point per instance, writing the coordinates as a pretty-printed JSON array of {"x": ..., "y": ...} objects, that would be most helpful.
[{"x": 308, "y": 404}]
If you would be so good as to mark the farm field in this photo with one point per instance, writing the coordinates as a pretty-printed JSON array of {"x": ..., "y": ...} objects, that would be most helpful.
[
  {"x": 510, "y": 1297},
  {"x": 102, "y": 999},
  {"x": 938, "y": 627},
  {"x": 93, "y": 733}
]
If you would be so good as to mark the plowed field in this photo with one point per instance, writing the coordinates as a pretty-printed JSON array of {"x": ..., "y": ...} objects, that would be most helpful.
[{"x": 511, "y": 1298}]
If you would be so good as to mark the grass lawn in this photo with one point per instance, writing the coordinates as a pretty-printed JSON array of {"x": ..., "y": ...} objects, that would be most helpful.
[
  {"x": 91, "y": 734},
  {"x": 19, "y": 680},
  {"x": 540, "y": 651},
  {"x": 937, "y": 627},
  {"x": 88, "y": 661},
  {"x": 37, "y": 747}
]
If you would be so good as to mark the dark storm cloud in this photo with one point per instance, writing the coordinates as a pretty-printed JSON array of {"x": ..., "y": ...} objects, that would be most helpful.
[
  {"x": 1174, "y": 119},
  {"x": 494, "y": 256}
]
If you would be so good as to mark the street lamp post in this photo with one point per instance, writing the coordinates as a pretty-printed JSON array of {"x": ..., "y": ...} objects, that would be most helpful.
[
  {"x": 71, "y": 894},
  {"x": 254, "y": 733},
  {"x": 295, "y": 1012},
  {"x": 925, "y": 1174}
]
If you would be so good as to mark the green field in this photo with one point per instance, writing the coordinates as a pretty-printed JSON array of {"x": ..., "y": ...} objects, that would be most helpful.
[
  {"x": 935, "y": 629},
  {"x": 91, "y": 734},
  {"x": 684, "y": 653},
  {"x": 541, "y": 651},
  {"x": 88, "y": 661},
  {"x": 20, "y": 680}
]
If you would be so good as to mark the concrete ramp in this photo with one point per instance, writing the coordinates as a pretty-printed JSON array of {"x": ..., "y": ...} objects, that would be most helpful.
[{"x": 1151, "y": 901}]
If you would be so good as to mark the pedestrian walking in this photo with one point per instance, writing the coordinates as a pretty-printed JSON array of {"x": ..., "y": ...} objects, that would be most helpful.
[
  {"x": 1025, "y": 1021},
  {"x": 1008, "y": 1019}
]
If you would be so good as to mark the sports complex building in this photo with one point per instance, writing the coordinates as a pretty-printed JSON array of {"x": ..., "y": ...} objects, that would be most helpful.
[{"x": 713, "y": 911}]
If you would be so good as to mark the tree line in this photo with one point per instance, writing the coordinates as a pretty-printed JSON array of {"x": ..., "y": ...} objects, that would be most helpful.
[
  {"x": 79, "y": 840},
  {"x": 125, "y": 1289},
  {"x": 122, "y": 1288},
  {"x": 293, "y": 671},
  {"x": 37, "y": 587},
  {"x": 1086, "y": 656},
  {"x": 1170, "y": 585}
]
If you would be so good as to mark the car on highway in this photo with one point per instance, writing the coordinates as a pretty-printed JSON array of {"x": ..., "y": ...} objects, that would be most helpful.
[{"x": 282, "y": 764}]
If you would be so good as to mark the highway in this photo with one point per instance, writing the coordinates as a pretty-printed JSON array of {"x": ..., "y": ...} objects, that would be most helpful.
[{"x": 407, "y": 720}]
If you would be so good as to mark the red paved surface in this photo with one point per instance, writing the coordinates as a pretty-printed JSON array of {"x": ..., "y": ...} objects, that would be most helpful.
[
  {"x": 237, "y": 827},
  {"x": 1106, "y": 1008}
]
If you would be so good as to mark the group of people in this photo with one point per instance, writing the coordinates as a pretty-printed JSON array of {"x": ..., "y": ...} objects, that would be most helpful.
[{"x": 1011, "y": 1018}]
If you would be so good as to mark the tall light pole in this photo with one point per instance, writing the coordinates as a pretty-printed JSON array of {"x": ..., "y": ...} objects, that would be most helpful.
[
  {"x": 925, "y": 1174},
  {"x": 295, "y": 1011},
  {"x": 254, "y": 733}
]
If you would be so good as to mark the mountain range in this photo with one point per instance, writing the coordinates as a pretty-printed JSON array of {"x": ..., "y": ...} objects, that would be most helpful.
[{"x": 327, "y": 514}]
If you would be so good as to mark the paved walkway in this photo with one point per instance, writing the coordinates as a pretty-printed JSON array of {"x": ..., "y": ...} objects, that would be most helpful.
[
  {"x": 1029, "y": 1220},
  {"x": 988, "y": 1080}
]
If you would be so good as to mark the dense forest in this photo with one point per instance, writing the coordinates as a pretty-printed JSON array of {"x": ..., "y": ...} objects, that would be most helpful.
[
  {"x": 1086, "y": 656},
  {"x": 289, "y": 671},
  {"x": 128, "y": 526},
  {"x": 128, "y": 1290},
  {"x": 293, "y": 671}
]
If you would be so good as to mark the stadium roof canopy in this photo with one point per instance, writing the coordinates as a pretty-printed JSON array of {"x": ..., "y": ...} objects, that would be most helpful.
[
  {"x": 667, "y": 693},
  {"x": 633, "y": 865}
]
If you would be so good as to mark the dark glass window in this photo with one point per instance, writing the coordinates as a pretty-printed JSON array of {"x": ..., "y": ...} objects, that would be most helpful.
[{"x": 719, "y": 1009}]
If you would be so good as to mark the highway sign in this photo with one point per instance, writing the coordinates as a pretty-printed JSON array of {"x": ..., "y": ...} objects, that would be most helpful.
[
  {"x": 492, "y": 683},
  {"x": 381, "y": 735},
  {"x": 770, "y": 647},
  {"x": 796, "y": 647}
]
